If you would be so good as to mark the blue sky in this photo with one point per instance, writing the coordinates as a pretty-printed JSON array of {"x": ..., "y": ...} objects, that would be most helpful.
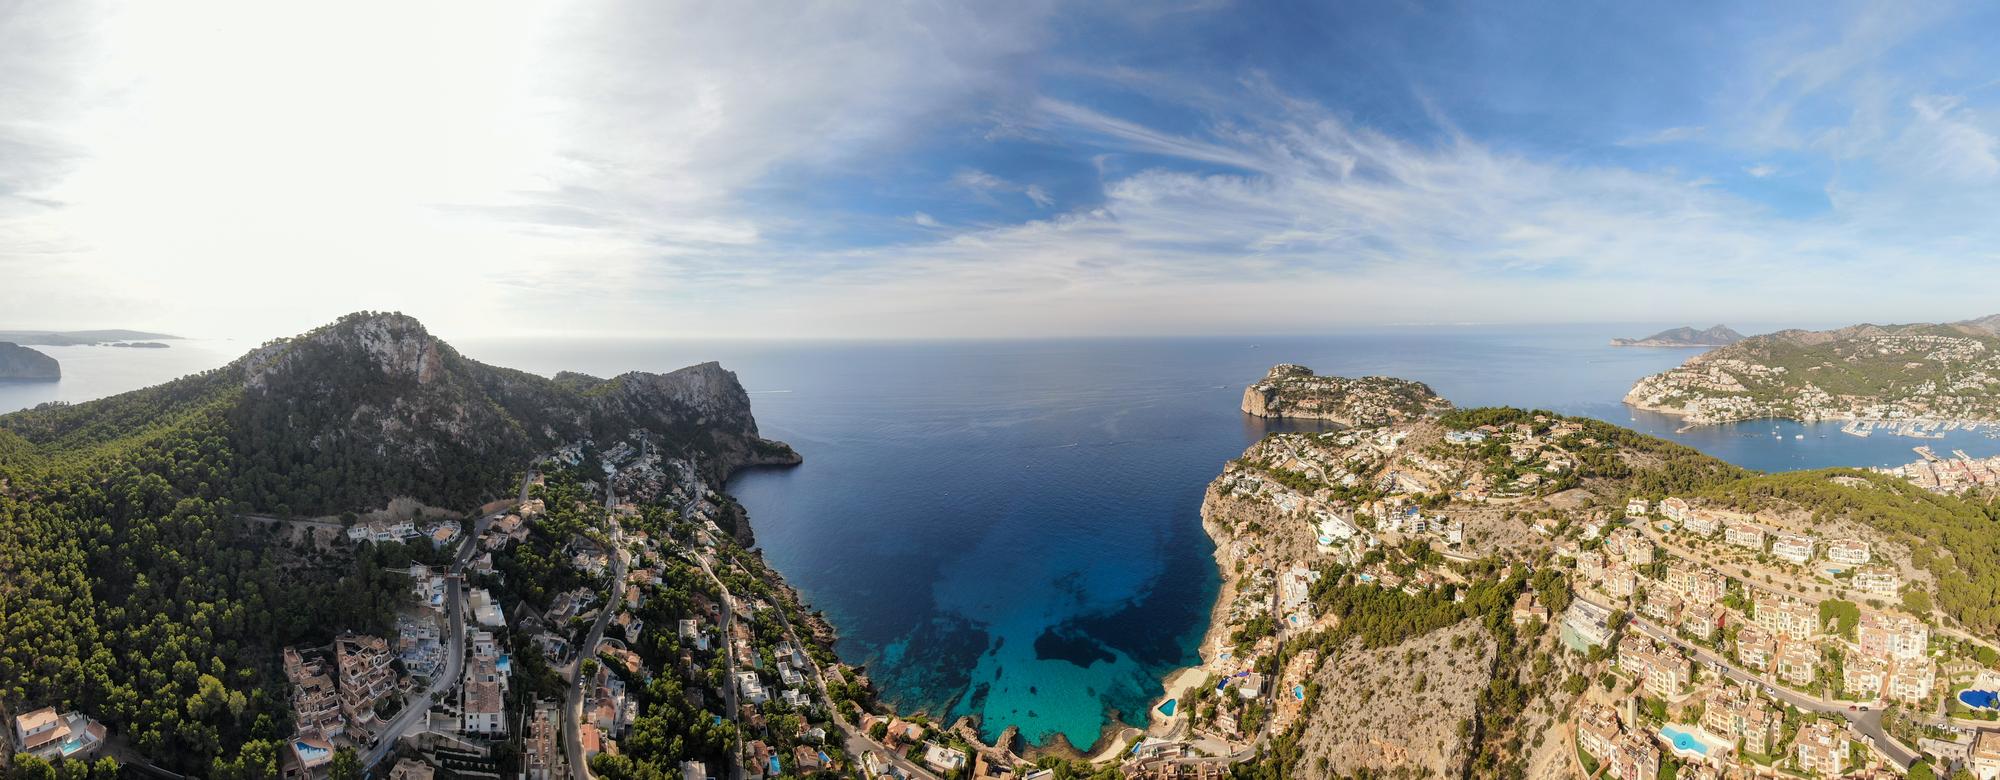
[{"x": 992, "y": 170}]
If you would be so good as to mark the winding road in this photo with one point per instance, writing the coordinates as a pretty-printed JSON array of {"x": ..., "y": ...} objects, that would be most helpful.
[
  {"x": 573, "y": 705},
  {"x": 1868, "y": 723},
  {"x": 385, "y": 743}
]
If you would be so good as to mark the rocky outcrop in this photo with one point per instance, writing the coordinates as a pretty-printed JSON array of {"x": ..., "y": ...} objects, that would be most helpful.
[
  {"x": 1293, "y": 391},
  {"x": 21, "y": 364}
]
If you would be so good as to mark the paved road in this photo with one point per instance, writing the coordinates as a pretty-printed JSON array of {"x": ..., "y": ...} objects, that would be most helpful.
[
  {"x": 573, "y": 706},
  {"x": 455, "y": 637},
  {"x": 855, "y": 741},
  {"x": 728, "y": 668},
  {"x": 1868, "y": 724}
]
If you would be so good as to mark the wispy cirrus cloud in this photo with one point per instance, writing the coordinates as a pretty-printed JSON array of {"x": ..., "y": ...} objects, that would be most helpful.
[{"x": 863, "y": 170}]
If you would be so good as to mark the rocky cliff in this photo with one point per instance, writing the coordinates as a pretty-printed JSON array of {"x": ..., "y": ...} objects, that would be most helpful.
[
  {"x": 1293, "y": 391},
  {"x": 19, "y": 363}
]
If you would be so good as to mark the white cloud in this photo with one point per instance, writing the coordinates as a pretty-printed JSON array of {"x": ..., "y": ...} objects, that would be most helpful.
[
  {"x": 1950, "y": 141},
  {"x": 234, "y": 164},
  {"x": 985, "y": 183},
  {"x": 515, "y": 168},
  {"x": 1669, "y": 135}
]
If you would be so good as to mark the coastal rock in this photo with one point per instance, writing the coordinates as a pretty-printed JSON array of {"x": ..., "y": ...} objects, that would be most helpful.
[
  {"x": 19, "y": 363},
  {"x": 1293, "y": 391}
]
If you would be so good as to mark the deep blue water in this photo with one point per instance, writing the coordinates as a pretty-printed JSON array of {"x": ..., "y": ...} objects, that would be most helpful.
[{"x": 1012, "y": 528}]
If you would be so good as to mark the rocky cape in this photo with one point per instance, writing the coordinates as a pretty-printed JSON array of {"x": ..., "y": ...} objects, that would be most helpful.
[
  {"x": 1293, "y": 391},
  {"x": 398, "y": 412},
  {"x": 1718, "y": 336},
  {"x": 21, "y": 364}
]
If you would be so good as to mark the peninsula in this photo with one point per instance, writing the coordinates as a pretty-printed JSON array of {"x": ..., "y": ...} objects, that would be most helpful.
[
  {"x": 1512, "y": 593},
  {"x": 1293, "y": 391},
  {"x": 1718, "y": 336},
  {"x": 1940, "y": 373},
  {"x": 80, "y": 338},
  {"x": 21, "y": 364}
]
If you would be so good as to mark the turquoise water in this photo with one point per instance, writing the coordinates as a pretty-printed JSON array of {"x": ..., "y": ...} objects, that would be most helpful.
[
  {"x": 1167, "y": 708},
  {"x": 1683, "y": 740},
  {"x": 1011, "y": 529},
  {"x": 1299, "y": 692}
]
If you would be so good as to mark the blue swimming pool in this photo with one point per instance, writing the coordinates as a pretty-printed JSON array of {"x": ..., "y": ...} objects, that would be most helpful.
[
  {"x": 1168, "y": 707},
  {"x": 1299, "y": 692},
  {"x": 1979, "y": 700},
  {"x": 1684, "y": 741}
]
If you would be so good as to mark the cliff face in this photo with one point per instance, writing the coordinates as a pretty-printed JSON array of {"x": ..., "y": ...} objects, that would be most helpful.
[
  {"x": 1293, "y": 391},
  {"x": 19, "y": 363}
]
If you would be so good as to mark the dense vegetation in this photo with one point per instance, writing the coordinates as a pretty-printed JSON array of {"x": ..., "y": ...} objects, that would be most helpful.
[
  {"x": 136, "y": 586},
  {"x": 136, "y": 592}
]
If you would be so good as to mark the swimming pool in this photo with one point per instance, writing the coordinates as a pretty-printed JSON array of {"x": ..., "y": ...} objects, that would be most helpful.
[
  {"x": 1683, "y": 741},
  {"x": 1979, "y": 700},
  {"x": 1167, "y": 708},
  {"x": 1299, "y": 692}
]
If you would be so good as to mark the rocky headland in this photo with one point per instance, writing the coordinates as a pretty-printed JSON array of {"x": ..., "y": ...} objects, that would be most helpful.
[
  {"x": 21, "y": 364},
  {"x": 1718, "y": 336},
  {"x": 1293, "y": 391}
]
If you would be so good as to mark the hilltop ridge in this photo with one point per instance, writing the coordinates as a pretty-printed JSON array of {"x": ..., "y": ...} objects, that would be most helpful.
[{"x": 400, "y": 412}]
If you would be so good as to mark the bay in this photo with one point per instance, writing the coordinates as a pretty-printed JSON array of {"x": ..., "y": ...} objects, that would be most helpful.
[{"x": 1011, "y": 529}]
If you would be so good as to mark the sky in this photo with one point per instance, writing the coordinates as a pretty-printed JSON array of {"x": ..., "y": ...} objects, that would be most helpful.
[{"x": 928, "y": 169}]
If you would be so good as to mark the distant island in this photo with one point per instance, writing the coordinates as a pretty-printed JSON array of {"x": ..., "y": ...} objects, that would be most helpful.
[
  {"x": 138, "y": 344},
  {"x": 1917, "y": 373},
  {"x": 1718, "y": 336},
  {"x": 21, "y": 364},
  {"x": 82, "y": 338}
]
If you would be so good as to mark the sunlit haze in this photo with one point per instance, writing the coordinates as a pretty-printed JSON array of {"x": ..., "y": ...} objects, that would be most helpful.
[{"x": 884, "y": 169}]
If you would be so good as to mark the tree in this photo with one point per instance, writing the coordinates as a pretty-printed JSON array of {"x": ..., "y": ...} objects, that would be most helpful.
[
  {"x": 345, "y": 765},
  {"x": 27, "y": 767}
]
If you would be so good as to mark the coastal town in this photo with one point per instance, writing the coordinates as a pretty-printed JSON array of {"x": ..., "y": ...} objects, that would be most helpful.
[
  {"x": 1957, "y": 474},
  {"x": 1897, "y": 378},
  {"x": 1522, "y": 594},
  {"x": 1658, "y": 634}
]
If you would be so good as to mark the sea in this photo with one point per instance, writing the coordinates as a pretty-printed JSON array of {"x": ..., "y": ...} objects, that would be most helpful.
[{"x": 1011, "y": 529}]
